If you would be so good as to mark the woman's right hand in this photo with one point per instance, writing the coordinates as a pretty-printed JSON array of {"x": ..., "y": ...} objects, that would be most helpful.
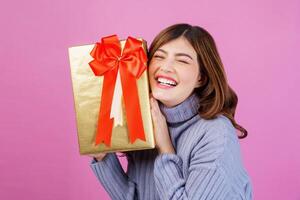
[{"x": 98, "y": 156}]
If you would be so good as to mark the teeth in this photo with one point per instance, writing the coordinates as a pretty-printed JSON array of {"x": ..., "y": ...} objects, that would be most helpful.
[{"x": 166, "y": 81}]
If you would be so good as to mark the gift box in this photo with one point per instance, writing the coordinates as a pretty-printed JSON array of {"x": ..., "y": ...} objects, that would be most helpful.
[{"x": 111, "y": 95}]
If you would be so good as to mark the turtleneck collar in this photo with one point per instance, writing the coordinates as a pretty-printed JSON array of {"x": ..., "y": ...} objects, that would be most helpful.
[{"x": 183, "y": 111}]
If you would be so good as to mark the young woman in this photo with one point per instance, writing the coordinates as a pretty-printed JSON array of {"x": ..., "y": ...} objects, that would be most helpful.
[{"x": 193, "y": 107}]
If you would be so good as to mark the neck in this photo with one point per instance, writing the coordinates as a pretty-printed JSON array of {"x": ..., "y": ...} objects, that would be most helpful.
[{"x": 183, "y": 111}]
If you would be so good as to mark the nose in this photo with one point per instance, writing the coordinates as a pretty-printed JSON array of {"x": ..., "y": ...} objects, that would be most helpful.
[
  {"x": 166, "y": 66},
  {"x": 165, "y": 69}
]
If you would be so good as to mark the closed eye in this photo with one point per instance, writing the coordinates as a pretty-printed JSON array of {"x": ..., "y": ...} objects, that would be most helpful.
[
  {"x": 183, "y": 61},
  {"x": 158, "y": 56}
]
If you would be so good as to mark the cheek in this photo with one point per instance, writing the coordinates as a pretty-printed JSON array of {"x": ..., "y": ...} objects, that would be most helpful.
[
  {"x": 152, "y": 69},
  {"x": 188, "y": 77}
]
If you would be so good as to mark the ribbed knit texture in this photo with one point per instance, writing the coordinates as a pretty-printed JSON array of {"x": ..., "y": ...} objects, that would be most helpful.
[{"x": 207, "y": 164}]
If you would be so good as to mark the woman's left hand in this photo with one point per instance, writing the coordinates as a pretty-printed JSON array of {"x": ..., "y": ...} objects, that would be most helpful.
[{"x": 161, "y": 131}]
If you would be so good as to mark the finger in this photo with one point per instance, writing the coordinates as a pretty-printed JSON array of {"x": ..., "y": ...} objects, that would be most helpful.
[
  {"x": 151, "y": 102},
  {"x": 154, "y": 106},
  {"x": 153, "y": 114},
  {"x": 154, "y": 110},
  {"x": 155, "y": 102},
  {"x": 97, "y": 154}
]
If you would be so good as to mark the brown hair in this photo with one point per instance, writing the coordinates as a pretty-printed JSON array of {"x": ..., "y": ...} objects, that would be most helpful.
[{"x": 216, "y": 96}]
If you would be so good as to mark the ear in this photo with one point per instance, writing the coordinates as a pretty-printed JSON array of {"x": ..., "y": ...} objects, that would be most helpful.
[{"x": 199, "y": 83}]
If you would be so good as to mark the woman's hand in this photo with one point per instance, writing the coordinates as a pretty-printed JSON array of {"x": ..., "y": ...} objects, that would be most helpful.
[
  {"x": 98, "y": 156},
  {"x": 161, "y": 131}
]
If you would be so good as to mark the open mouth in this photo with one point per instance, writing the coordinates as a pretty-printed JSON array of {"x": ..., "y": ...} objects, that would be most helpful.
[{"x": 164, "y": 81}]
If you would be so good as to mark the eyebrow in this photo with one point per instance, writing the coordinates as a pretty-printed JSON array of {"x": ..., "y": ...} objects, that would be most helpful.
[{"x": 177, "y": 54}]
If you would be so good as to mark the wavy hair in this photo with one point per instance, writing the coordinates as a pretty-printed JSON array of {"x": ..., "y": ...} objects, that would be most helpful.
[{"x": 215, "y": 94}]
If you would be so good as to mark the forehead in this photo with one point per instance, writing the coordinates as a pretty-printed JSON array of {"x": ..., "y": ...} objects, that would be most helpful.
[{"x": 179, "y": 45}]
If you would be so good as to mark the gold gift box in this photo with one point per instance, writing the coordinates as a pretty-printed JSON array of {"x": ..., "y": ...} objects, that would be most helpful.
[{"x": 87, "y": 97}]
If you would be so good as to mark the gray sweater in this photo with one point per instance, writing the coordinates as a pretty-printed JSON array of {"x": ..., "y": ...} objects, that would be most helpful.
[{"x": 207, "y": 164}]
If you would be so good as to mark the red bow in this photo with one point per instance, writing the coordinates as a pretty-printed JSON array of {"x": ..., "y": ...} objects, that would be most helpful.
[{"x": 108, "y": 59}]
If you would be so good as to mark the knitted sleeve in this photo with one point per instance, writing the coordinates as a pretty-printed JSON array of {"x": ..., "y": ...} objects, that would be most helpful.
[
  {"x": 113, "y": 178},
  {"x": 205, "y": 180}
]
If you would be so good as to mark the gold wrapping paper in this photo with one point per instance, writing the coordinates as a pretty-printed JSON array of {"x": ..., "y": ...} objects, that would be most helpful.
[{"x": 87, "y": 96}]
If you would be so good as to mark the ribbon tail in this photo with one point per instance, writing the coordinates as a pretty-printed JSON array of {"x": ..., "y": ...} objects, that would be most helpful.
[
  {"x": 132, "y": 106},
  {"x": 105, "y": 123}
]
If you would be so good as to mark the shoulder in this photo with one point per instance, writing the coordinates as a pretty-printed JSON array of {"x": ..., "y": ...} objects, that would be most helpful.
[
  {"x": 218, "y": 128},
  {"x": 211, "y": 141}
]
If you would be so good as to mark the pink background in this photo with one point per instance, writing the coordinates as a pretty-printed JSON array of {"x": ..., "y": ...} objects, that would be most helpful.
[{"x": 258, "y": 42}]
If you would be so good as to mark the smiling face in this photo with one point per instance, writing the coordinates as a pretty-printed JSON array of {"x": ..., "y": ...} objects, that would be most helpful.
[{"x": 174, "y": 72}]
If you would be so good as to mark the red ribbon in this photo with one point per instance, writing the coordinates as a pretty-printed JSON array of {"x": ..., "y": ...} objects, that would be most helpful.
[{"x": 108, "y": 59}]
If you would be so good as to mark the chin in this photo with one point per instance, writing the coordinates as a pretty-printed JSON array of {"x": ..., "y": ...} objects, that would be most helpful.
[
  {"x": 158, "y": 95},
  {"x": 163, "y": 98}
]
